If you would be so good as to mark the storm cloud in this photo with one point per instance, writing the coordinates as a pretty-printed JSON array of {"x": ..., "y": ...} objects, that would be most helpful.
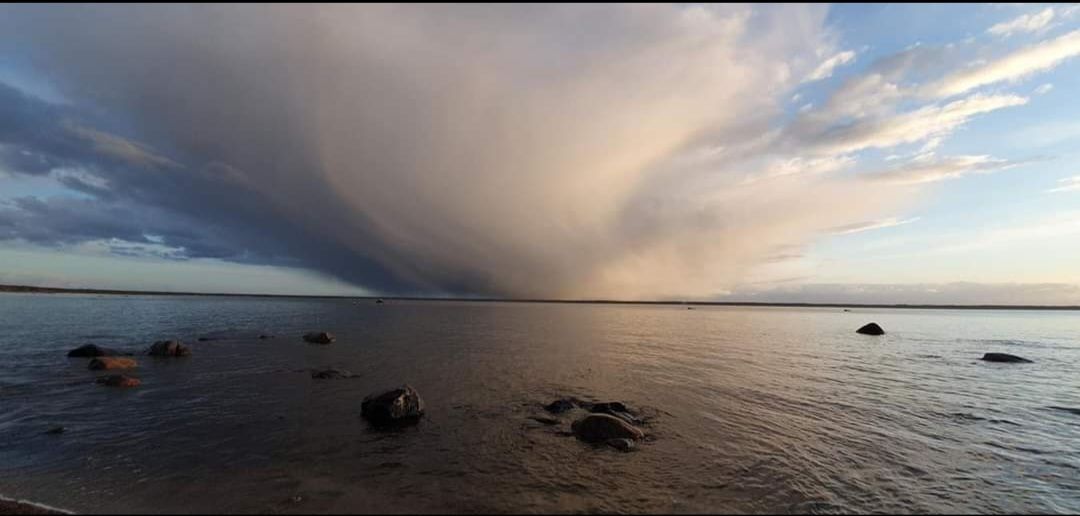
[{"x": 559, "y": 151}]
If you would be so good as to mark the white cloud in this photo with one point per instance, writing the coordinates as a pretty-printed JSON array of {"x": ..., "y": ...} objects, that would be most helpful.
[
  {"x": 825, "y": 69},
  {"x": 1043, "y": 89},
  {"x": 1034, "y": 22},
  {"x": 1013, "y": 67},
  {"x": 859, "y": 227},
  {"x": 928, "y": 171},
  {"x": 1068, "y": 184}
]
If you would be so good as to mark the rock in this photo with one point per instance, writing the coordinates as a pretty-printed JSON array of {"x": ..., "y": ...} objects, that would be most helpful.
[
  {"x": 623, "y": 445},
  {"x": 93, "y": 350},
  {"x": 599, "y": 428},
  {"x": 560, "y": 406},
  {"x": 545, "y": 420},
  {"x": 56, "y": 430},
  {"x": 168, "y": 348},
  {"x": 320, "y": 337},
  {"x": 400, "y": 406},
  {"x": 614, "y": 408},
  {"x": 379, "y": 301},
  {"x": 118, "y": 380},
  {"x": 330, "y": 374},
  {"x": 104, "y": 363},
  {"x": 1004, "y": 357},
  {"x": 203, "y": 339},
  {"x": 264, "y": 337},
  {"x": 871, "y": 329}
]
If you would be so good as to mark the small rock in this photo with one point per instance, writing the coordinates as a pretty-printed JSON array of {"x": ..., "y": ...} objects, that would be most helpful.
[
  {"x": 203, "y": 339},
  {"x": 168, "y": 348},
  {"x": 319, "y": 338},
  {"x": 105, "y": 363},
  {"x": 329, "y": 374},
  {"x": 1004, "y": 357},
  {"x": 614, "y": 408},
  {"x": 623, "y": 445},
  {"x": 264, "y": 337},
  {"x": 560, "y": 406},
  {"x": 55, "y": 430},
  {"x": 379, "y": 301},
  {"x": 401, "y": 406},
  {"x": 598, "y": 428},
  {"x": 93, "y": 350},
  {"x": 871, "y": 329},
  {"x": 118, "y": 380}
]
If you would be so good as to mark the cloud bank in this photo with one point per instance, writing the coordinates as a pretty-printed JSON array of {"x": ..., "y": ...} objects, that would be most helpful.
[{"x": 623, "y": 151}]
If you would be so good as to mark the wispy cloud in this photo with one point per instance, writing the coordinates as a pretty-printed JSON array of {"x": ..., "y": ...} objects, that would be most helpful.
[
  {"x": 1012, "y": 67},
  {"x": 932, "y": 170},
  {"x": 1067, "y": 184},
  {"x": 1043, "y": 89},
  {"x": 825, "y": 69},
  {"x": 1034, "y": 22},
  {"x": 859, "y": 227}
]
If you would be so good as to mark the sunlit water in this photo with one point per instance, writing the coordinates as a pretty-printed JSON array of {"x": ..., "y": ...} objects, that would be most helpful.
[{"x": 753, "y": 409}]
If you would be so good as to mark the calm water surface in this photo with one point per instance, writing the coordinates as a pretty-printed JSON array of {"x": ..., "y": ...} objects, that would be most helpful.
[{"x": 752, "y": 409}]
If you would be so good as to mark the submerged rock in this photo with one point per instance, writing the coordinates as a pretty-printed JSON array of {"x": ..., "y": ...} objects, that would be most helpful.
[
  {"x": 118, "y": 380},
  {"x": 264, "y": 337},
  {"x": 58, "y": 429},
  {"x": 93, "y": 350},
  {"x": 401, "y": 406},
  {"x": 560, "y": 406},
  {"x": 330, "y": 374},
  {"x": 599, "y": 428},
  {"x": 1004, "y": 357},
  {"x": 168, "y": 348},
  {"x": 623, "y": 445},
  {"x": 320, "y": 337},
  {"x": 103, "y": 363},
  {"x": 871, "y": 329}
]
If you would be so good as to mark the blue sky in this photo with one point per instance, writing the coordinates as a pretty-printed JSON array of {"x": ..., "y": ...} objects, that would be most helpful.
[{"x": 848, "y": 153}]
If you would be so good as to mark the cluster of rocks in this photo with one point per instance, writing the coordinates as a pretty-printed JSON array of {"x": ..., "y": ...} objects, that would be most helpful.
[
  {"x": 875, "y": 329},
  {"x": 107, "y": 359},
  {"x": 610, "y": 423}
]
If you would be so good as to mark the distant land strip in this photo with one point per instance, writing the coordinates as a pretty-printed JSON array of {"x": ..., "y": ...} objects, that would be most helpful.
[{"x": 52, "y": 290}]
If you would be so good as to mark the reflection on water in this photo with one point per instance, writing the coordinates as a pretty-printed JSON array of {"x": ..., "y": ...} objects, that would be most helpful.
[{"x": 755, "y": 410}]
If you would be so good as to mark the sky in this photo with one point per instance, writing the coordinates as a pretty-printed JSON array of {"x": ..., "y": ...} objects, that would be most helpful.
[{"x": 911, "y": 153}]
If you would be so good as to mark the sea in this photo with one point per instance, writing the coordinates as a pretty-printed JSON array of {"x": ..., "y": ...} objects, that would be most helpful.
[{"x": 745, "y": 409}]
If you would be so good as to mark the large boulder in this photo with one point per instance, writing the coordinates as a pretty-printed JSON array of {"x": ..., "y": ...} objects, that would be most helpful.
[
  {"x": 105, "y": 363},
  {"x": 320, "y": 337},
  {"x": 1004, "y": 357},
  {"x": 168, "y": 348},
  {"x": 118, "y": 380},
  {"x": 601, "y": 428},
  {"x": 399, "y": 406},
  {"x": 871, "y": 329},
  {"x": 93, "y": 350}
]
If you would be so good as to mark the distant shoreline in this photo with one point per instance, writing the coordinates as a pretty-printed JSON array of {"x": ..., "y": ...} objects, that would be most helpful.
[{"x": 50, "y": 290}]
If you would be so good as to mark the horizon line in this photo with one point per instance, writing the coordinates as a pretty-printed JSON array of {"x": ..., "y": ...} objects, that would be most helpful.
[{"x": 60, "y": 290}]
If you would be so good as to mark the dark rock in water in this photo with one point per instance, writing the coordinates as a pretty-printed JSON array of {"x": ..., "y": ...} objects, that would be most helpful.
[
  {"x": 379, "y": 301},
  {"x": 1075, "y": 411},
  {"x": 846, "y": 310},
  {"x": 55, "y": 430},
  {"x": 545, "y": 420},
  {"x": 264, "y": 337},
  {"x": 560, "y": 406},
  {"x": 689, "y": 308},
  {"x": 614, "y": 408},
  {"x": 330, "y": 374},
  {"x": 1004, "y": 357},
  {"x": 401, "y": 406},
  {"x": 102, "y": 363},
  {"x": 203, "y": 339},
  {"x": 92, "y": 350},
  {"x": 320, "y": 337},
  {"x": 118, "y": 380},
  {"x": 599, "y": 428},
  {"x": 871, "y": 329},
  {"x": 168, "y": 348},
  {"x": 623, "y": 445}
]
